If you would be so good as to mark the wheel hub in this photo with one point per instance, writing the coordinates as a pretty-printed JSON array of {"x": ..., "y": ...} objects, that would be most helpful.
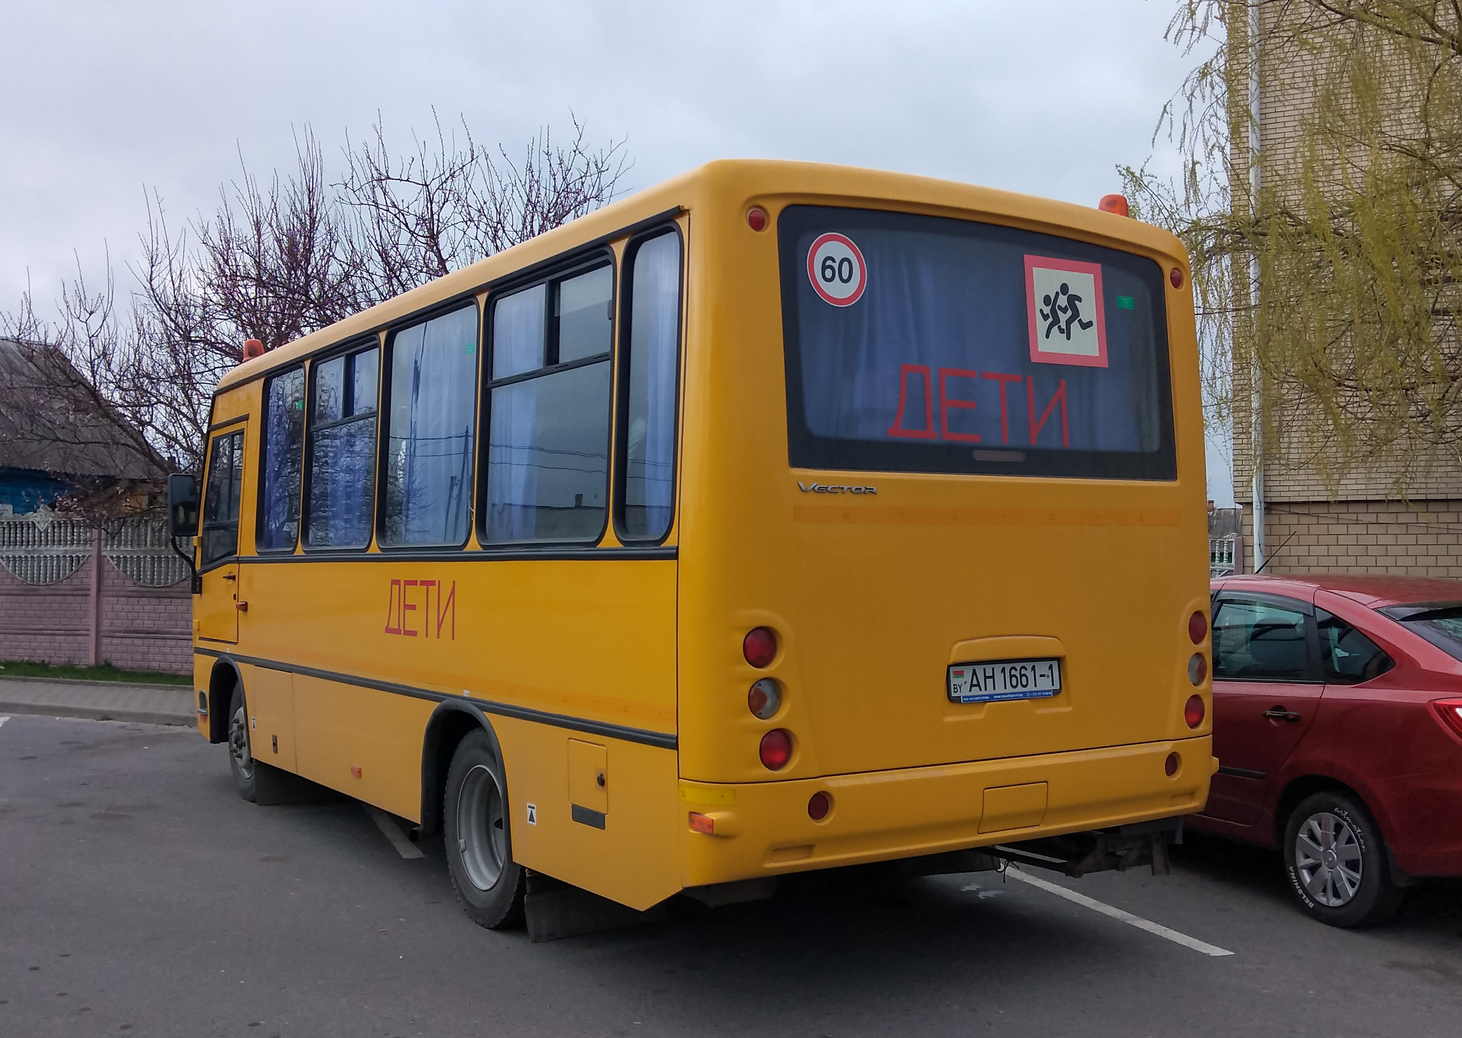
[{"x": 1328, "y": 859}]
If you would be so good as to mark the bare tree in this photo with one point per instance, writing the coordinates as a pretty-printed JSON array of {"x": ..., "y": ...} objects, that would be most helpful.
[{"x": 277, "y": 260}]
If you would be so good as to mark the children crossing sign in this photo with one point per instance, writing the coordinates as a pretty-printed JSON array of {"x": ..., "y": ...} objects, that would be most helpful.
[{"x": 1064, "y": 302}]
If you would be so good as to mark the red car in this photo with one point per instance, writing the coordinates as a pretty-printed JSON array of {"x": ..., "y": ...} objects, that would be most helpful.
[{"x": 1337, "y": 723}]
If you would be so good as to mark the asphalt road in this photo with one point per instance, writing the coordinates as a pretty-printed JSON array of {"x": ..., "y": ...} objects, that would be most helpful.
[{"x": 140, "y": 896}]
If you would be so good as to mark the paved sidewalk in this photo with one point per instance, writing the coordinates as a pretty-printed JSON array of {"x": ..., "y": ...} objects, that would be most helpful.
[{"x": 99, "y": 700}]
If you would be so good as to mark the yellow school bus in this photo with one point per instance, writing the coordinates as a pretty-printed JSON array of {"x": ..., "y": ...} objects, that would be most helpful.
[{"x": 777, "y": 518}]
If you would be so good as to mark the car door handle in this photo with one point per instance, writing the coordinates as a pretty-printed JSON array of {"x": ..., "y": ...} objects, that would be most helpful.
[
  {"x": 1281, "y": 714},
  {"x": 230, "y": 576}
]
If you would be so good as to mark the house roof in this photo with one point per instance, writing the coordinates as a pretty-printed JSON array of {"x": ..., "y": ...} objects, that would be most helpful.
[{"x": 53, "y": 420}]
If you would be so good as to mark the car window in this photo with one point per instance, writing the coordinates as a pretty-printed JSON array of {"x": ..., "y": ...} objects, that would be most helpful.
[
  {"x": 1439, "y": 623},
  {"x": 1348, "y": 656},
  {"x": 1259, "y": 641}
]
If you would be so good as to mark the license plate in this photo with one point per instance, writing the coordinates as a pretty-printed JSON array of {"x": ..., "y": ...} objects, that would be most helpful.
[{"x": 995, "y": 681}]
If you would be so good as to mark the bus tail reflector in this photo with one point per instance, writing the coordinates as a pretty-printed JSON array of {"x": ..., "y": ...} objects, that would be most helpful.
[
  {"x": 759, "y": 647},
  {"x": 765, "y": 698},
  {"x": 818, "y": 805},
  {"x": 1197, "y": 627},
  {"x": 776, "y": 748},
  {"x": 700, "y": 823},
  {"x": 1172, "y": 764},
  {"x": 1193, "y": 711},
  {"x": 756, "y": 218},
  {"x": 1197, "y": 668}
]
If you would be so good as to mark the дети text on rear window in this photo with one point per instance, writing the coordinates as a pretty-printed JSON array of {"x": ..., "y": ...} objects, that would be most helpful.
[{"x": 924, "y": 344}]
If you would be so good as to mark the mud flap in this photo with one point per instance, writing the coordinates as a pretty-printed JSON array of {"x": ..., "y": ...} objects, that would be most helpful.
[{"x": 554, "y": 910}]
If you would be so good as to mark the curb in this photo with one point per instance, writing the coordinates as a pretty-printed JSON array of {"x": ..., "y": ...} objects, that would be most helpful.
[
  {"x": 97, "y": 713},
  {"x": 148, "y": 686}
]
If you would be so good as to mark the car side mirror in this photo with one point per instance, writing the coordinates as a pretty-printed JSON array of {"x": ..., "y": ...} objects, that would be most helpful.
[{"x": 182, "y": 505}]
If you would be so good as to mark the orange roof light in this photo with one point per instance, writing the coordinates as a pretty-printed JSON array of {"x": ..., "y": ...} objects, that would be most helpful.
[
  {"x": 1114, "y": 204},
  {"x": 253, "y": 348}
]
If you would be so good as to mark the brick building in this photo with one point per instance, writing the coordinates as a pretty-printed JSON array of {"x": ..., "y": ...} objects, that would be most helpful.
[{"x": 1381, "y": 518}]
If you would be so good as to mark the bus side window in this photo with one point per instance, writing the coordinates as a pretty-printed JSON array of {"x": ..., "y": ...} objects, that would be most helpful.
[
  {"x": 283, "y": 457},
  {"x": 221, "y": 497},
  {"x": 431, "y": 400},
  {"x": 548, "y": 404},
  {"x": 649, "y": 388},
  {"x": 343, "y": 449}
]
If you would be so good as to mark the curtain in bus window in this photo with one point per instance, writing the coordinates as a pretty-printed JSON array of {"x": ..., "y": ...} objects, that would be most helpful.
[
  {"x": 429, "y": 451},
  {"x": 284, "y": 434},
  {"x": 518, "y": 332},
  {"x": 949, "y": 349},
  {"x": 651, "y": 361},
  {"x": 548, "y": 456},
  {"x": 585, "y": 323},
  {"x": 343, "y": 451}
]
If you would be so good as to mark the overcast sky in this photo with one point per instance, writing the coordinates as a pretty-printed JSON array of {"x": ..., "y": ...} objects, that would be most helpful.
[{"x": 102, "y": 102}]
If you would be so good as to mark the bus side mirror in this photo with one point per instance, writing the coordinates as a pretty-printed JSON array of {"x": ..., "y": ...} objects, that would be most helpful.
[{"x": 182, "y": 505}]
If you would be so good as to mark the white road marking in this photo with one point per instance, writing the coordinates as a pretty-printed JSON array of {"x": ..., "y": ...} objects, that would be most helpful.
[
  {"x": 384, "y": 822},
  {"x": 4, "y": 719},
  {"x": 1117, "y": 913}
]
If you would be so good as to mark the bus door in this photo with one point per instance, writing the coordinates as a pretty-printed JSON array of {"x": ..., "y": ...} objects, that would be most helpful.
[{"x": 217, "y": 609}]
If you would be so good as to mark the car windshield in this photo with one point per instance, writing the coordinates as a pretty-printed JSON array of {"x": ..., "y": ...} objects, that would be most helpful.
[{"x": 1438, "y": 622}]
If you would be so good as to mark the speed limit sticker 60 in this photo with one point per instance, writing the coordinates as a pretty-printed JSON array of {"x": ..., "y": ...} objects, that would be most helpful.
[{"x": 837, "y": 269}]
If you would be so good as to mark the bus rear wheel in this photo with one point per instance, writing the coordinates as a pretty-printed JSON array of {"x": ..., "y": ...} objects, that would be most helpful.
[{"x": 478, "y": 837}]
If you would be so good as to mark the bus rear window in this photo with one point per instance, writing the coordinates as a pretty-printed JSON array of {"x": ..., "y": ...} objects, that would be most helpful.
[{"x": 924, "y": 344}]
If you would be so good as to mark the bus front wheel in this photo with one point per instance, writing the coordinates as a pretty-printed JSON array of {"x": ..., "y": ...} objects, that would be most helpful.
[
  {"x": 478, "y": 836},
  {"x": 240, "y": 759}
]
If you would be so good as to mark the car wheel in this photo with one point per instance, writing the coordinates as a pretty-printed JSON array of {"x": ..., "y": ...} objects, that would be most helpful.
[
  {"x": 478, "y": 837},
  {"x": 1336, "y": 861},
  {"x": 240, "y": 759}
]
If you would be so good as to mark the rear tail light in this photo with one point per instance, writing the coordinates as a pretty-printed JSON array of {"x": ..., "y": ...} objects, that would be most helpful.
[
  {"x": 1450, "y": 711},
  {"x": 1193, "y": 711},
  {"x": 759, "y": 647},
  {"x": 1172, "y": 764},
  {"x": 1197, "y": 628},
  {"x": 818, "y": 805},
  {"x": 765, "y": 698},
  {"x": 776, "y": 749},
  {"x": 1197, "y": 668}
]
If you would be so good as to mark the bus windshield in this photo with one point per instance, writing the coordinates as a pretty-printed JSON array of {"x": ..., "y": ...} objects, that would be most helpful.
[{"x": 926, "y": 344}]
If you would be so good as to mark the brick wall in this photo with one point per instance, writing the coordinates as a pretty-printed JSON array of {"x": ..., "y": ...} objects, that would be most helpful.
[
  {"x": 142, "y": 628},
  {"x": 1421, "y": 540}
]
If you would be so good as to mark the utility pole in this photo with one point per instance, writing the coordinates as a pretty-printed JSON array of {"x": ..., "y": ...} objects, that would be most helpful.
[{"x": 1256, "y": 394}]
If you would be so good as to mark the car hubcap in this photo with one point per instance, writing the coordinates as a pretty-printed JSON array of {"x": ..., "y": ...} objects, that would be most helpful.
[
  {"x": 482, "y": 834},
  {"x": 238, "y": 744},
  {"x": 1327, "y": 855}
]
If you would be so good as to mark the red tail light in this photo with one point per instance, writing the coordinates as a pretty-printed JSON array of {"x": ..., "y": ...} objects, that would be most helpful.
[
  {"x": 1197, "y": 628},
  {"x": 1450, "y": 711},
  {"x": 759, "y": 647},
  {"x": 776, "y": 748},
  {"x": 1193, "y": 711}
]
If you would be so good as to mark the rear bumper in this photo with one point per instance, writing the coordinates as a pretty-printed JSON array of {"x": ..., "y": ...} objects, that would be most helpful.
[{"x": 763, "y": 828}]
